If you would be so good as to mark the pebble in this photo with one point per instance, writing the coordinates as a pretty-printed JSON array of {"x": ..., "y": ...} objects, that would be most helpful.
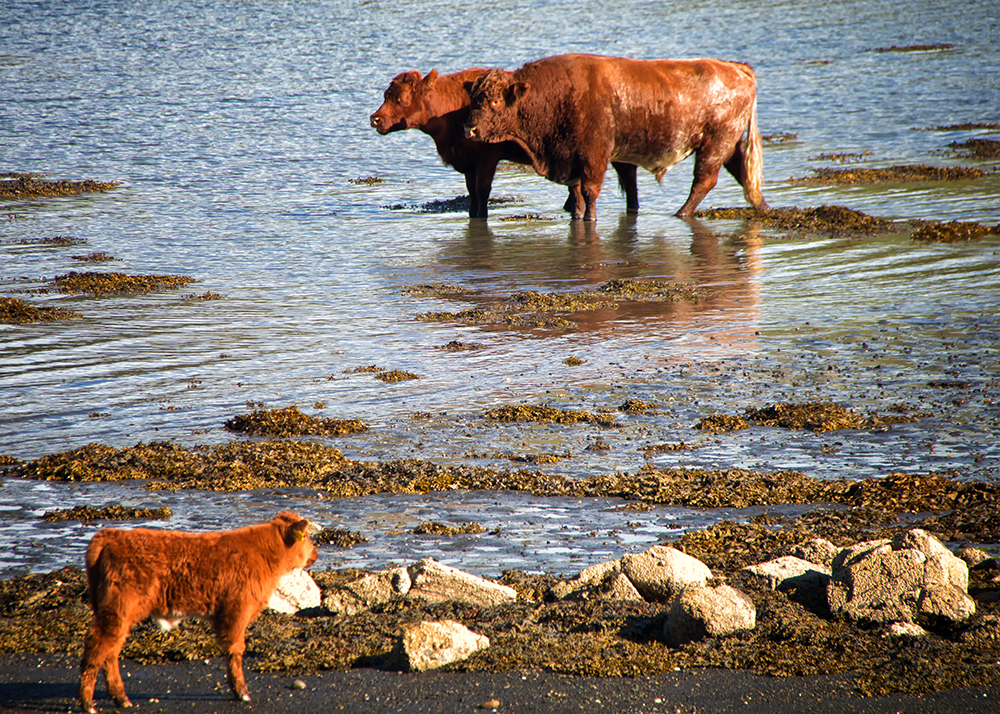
[
  {"x": 298, "y": 684},
  {"x": 490, "y": 704}
]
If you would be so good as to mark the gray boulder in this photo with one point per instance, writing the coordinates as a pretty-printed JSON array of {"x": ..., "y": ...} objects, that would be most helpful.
[
  {"x": 295, "y": 591},
  {"x": 818, "y": 550},
  {"x": 368, "y": 591},
  {"x": 912, "y": 578}
]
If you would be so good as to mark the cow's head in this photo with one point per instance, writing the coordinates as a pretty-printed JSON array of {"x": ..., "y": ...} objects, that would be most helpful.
[
  {"x": 295, "y": 534},
  {"x": 494, "y": 96},
  {"x": 403, "y": 105}
]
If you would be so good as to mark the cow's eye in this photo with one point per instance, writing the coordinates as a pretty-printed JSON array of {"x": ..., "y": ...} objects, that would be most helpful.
[{"x": 496, "y": 103}]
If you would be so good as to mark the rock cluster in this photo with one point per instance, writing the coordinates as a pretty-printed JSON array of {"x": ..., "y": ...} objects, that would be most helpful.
[{"x": 902, "y": 585}]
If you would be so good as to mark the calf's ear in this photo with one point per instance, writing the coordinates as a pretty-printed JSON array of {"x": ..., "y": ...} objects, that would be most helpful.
[
  {"x": 431, "y": 78},
  {"x": 298, "y": 531}
]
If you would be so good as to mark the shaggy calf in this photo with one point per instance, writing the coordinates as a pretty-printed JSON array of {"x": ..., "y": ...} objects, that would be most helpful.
[{"x": 226, "y": 576}]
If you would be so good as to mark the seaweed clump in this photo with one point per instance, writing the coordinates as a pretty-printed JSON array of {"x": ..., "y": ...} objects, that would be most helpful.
[
  {"x": 814, "y": 416},
  {"x": 977, "y": 148},
  {"x": 831, "y": 219},
  {"x": 443, "y": 529},
  {"x": 85, "y": 514},
  {"x": 951, "y": 232},
  {"x": 14, "y": 311},
  {"x": 339, "y": 537},
  {"x": 893, "y": 174},
  {"x": 538, "y": 413},
  {"x": 291, "y": 422},
  {"x": 28, "y": 185},
  {"x": 100, "y": 284}
]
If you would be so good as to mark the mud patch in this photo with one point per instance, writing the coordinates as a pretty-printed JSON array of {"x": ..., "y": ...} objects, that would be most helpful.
[
  {"x": 103, "y": 284},
  {"x": 14, "y": 311},
  {"x": 533, "y": 309},
  {"x": 96, "y": 258},
  {"x": 459, "y": 204},
  {"x": 18, "y": 185},
  {"x": 291, "y": 422},
  {"x": 86, "y": 514},
  {"x": 937, "y": 47}
]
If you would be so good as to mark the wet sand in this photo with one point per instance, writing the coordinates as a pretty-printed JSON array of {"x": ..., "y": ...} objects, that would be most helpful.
[{"x": 47, "y": 683}]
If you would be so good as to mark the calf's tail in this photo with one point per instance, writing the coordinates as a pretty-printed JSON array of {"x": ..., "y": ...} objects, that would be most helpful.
[
  {"x": 90, "y": 562},
  {"x": 753, "y": 162}
]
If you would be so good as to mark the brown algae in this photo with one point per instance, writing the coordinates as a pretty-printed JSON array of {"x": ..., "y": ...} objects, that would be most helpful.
[
  {"x": 813, "y": 416},
  {"x": 87, "y": 514},
  {"x": 101, "y": 284},
  {"x": 539, "y": 413},
  {"x": 14, "y": 311},
  {"x": 292, "y": 422},
  {"x": 893, "y": 174},
  {"x": 28, "y": 185}
]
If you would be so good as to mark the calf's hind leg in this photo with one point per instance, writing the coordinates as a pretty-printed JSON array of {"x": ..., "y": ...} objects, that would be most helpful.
[
  {"x": 230, "y": 631},
  {"x": 101, "y": 650}
]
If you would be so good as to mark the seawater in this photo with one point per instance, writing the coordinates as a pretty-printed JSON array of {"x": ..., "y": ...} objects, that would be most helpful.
[{"x": 239, "y": 133}]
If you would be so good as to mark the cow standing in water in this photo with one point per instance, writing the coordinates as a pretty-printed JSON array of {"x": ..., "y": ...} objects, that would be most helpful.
[
  {"x": 438, "y": 105},
  {"x": 226, "y": 576},
  {"x": 572, "y": 114}
]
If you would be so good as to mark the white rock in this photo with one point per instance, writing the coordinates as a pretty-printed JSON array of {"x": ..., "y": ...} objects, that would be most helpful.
[
  {"x": 661, "y": 572},
  {"x": 434, "y": 582},
  {"x": 789, "y": 571},
  {"x": 367, "y": 591},
  {"x": 429, "y": 645},
  {"x": 701, "y": 611},
  {"x": 295, "y": 591}
]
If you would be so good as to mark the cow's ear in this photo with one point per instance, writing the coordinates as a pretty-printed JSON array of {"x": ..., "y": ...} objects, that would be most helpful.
[
  {"x": 467, "y": 86},
  {"x": 518, "y": 90},
  {"x": 431, "y": 78},
  {"x": 298, "y": 531}
]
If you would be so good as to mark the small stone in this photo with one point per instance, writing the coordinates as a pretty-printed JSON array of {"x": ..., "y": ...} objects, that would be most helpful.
[
  {"x": 490, "y": 704},
  {"x": 298, "y": 684}
]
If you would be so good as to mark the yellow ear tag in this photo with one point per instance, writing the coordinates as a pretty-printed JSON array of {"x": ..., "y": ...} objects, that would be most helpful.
[{"x": 299, "y": 534}]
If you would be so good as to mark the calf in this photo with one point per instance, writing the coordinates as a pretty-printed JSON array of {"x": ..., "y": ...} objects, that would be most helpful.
[
  {"x": 227, "y": 576},
  {"x": 438, "y": 105},
  {"x": 572, "y": 114}
]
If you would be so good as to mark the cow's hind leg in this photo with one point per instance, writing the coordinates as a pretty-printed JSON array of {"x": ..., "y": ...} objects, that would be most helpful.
[
  {"x": 706, "y": 175},
  {"x": 737, "y": 166}
]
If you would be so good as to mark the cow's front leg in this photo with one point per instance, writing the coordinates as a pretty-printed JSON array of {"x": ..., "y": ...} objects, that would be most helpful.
[
  {"x": 706, "y": 175},
  {"x": 591, "y": 190},
  {"x": 236, "y": 680}
]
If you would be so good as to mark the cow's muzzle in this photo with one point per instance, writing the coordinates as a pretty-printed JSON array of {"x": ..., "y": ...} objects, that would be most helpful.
[{"x": 472, "y": 132}]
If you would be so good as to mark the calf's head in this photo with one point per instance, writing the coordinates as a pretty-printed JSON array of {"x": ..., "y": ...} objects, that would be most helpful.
[
  {"x": 404, "y": 103},
  {"x": 300, "y": 553},
  {"x": 493, "y": 112}
]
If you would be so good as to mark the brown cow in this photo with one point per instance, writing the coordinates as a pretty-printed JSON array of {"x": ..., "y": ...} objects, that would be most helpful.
[
  {"x": 439, "y": 106},
  {"x": 572, "y": 114},
  {"x": 227, "y": 576}
]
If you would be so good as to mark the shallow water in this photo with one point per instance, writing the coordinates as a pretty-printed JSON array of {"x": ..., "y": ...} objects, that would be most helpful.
[{"x": 239, "y": 133}]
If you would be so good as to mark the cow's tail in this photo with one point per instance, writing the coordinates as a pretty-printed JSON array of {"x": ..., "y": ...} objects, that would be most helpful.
[{"x": 753, "y": 162}]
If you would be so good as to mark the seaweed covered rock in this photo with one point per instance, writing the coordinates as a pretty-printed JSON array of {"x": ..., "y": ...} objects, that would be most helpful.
[
  {"x": 368, "y": 591},
  {"x": 911, "y": 578},
  {"x": 789, "y": 572},
  {"x": 705, "y": 611}
]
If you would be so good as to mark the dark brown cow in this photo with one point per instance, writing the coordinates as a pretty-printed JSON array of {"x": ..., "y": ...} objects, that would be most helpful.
[
  {"x": 227, "y": 576},
  {"x": 439, "y": 106},
  {"x": 572, "y": 114}
]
